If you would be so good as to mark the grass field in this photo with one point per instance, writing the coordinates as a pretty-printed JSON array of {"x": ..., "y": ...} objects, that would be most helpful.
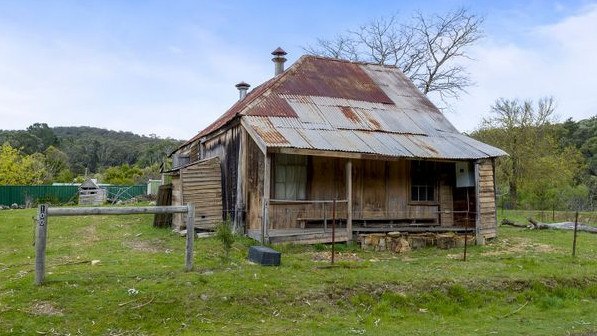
[{"x": 524, "y": 283}]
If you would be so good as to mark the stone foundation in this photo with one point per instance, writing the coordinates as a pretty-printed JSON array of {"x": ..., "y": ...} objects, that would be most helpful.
[{"x": 399, "y": 242}]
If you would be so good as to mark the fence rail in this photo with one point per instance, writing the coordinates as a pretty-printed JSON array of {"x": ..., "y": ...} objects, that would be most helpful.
[{"x": 44, "y": 212}]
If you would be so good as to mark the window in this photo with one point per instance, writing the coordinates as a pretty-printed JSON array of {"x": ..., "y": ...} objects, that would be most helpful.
[
  {"x": 422, "y": 178},
  {"x": 290, "y": 177}
]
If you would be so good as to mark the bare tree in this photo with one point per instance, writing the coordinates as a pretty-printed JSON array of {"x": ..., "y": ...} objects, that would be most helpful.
[{"x": 427, "y": 48}]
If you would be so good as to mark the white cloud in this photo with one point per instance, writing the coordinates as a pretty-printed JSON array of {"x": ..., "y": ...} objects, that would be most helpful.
[
  {"x": 556, "y": 60},
  {"x": 65, "y": 83}
]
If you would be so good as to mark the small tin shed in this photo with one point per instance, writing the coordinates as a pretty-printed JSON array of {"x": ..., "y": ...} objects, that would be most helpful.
[{"x": 91, "y": 194}]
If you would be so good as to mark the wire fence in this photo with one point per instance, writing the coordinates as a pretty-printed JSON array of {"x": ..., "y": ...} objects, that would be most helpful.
[{"x": 550, "y": 216}]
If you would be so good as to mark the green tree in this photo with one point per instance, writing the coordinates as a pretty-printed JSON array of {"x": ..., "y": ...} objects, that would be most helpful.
[
  {"x": 44, "y": 133},
  {"x": 26, "y": 142},
  {"x": 18, "y": 169},
  {"x": 122, "y": 175},
  {"x": 56, "y": 162},
  {"x": 536, "y": 163}
]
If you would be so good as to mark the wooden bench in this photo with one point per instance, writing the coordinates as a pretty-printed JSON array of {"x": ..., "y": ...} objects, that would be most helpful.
[
  {"x": 304, "y": 220},
  {"x": 420, "y": 221}
]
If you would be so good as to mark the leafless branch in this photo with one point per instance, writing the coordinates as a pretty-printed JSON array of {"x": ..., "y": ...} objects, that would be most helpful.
[{"x": 428, "y": 49}]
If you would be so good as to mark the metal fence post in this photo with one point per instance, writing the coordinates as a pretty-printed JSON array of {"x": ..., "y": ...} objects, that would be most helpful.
[{"x": 40, "y": 243}]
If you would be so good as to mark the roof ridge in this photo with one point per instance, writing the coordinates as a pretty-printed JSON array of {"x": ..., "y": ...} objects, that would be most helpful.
[{"x": 349, "y": 61}]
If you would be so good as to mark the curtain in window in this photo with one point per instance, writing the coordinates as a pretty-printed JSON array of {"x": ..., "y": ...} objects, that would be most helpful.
[{"x": 290, "y": 177}]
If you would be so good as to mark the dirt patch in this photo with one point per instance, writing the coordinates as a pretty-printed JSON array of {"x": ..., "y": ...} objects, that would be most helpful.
[
  {"x": 143, "y": 246},
  {"x": 518, "y": 245},
  {"x": 45, "y": 308},
  {"x": 340, "y": 256}
]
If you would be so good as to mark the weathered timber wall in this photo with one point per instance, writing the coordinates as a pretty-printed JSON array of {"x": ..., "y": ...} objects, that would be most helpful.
[
  {"x": 254, "y": 173},
  {"x": 225, "y": 146},
  {"x": 202, "y": 186},
  {"x": 447, "y": 182},
  {"x": 486, "y": 191},
  {"x": 177, "y": 218},
  {"x": 381, "y": 191}
]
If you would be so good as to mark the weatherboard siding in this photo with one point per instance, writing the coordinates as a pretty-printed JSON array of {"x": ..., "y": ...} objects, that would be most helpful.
[{"x": 486, "y": 200}]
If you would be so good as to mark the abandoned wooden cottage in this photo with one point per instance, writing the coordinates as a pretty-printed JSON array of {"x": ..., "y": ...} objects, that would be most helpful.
[{"x": 332, "y": 138}]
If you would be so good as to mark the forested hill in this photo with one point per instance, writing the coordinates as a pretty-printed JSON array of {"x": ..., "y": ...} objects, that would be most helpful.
[{"x": 90, "y": 147}]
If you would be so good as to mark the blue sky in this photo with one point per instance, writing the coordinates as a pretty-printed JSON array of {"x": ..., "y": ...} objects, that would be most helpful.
[{"x": 169, "y": 67}]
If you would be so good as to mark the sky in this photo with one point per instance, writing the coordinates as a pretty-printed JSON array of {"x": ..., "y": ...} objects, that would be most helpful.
[{"x": 169, "y": 67}]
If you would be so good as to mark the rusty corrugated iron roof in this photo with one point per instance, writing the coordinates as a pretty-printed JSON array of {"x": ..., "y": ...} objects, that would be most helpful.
[
  {"x": 443, "y": 145},
  {"x": 329, "y": 104}
]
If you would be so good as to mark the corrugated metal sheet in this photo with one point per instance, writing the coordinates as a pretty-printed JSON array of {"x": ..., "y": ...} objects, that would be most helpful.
[
  {"x": 327, "y": 77},
  {"x": 328, "y": 104},
  {"x": 334, "y": 113},
  {"x": 19, "y": 194},
  {"x": 440, "y": 146}
]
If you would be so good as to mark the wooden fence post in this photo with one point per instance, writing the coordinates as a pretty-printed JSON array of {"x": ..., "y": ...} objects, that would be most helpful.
[
  {"x": 40, "y": 243},
  {"x": 575, "y": 233},
  {"x": 190, "y": 236}
]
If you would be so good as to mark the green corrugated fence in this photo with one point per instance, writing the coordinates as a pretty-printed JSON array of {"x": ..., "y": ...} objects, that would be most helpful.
[{"x": 20, "y": 194}]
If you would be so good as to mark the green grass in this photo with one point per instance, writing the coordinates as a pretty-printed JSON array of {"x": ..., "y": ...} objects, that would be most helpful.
[{"x": 525, "y": 283}]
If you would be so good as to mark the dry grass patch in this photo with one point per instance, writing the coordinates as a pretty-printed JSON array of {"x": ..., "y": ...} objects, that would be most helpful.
[
  {"x": 45, "y": 308},
  {"x": 340, "y": 256},
  {"x": 517, "y": 246},
  {"x": 144, "y": 246}
]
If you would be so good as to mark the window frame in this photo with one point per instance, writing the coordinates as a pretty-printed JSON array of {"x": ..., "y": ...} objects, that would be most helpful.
[
  {"x": 286, "y": 163},
  {"x": 430, "y": 179}
]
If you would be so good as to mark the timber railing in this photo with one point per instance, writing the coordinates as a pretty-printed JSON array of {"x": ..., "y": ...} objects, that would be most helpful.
[{"x": 44, "y": 212}]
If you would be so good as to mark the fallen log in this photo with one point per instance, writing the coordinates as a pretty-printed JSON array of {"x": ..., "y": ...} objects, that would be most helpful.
[
  {"x": 536, "y": 225},
  {"x": 553, "y": 226},
  {"x": 562, "y": 226},
  {"x": 508, "y": 222}
]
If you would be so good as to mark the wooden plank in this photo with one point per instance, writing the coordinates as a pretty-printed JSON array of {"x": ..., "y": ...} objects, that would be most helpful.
[
  {"x": 446, "y": 198},
  {"x": 82, "y": 211},
  {"x": 201, "y": 185},
  {"x": 311, "y": 152},
  {"x": 349, "y": 199},
  {"x": 308, "y": 238},
  {"x": 480, "y": 240},
  {"x": 164, "y": 198},
  {"x": 494, "y": 221},
  {"x": 190, "y": 237},
  {"x": 486, "y": 199},
  {"x": 266, "y": 196},
  {"x": 240, "y": 194},
  {"x": 412, "y": 229},
  {"x": 254, "y": 173}
]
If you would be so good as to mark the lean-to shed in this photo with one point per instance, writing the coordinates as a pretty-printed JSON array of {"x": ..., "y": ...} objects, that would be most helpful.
[{"x": 90, "y": 193}]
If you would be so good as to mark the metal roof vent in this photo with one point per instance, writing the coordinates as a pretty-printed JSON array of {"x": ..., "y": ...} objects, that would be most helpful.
[
  {"x": 242, "y": 90},
  {"x": 279, "y": 60}
]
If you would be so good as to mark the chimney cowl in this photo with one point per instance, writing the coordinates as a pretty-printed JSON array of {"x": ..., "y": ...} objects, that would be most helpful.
[
  {"x": 279, "y": 60},
  {"x": 279, "y": 52},
  {"x": 242, "y": 89}
]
